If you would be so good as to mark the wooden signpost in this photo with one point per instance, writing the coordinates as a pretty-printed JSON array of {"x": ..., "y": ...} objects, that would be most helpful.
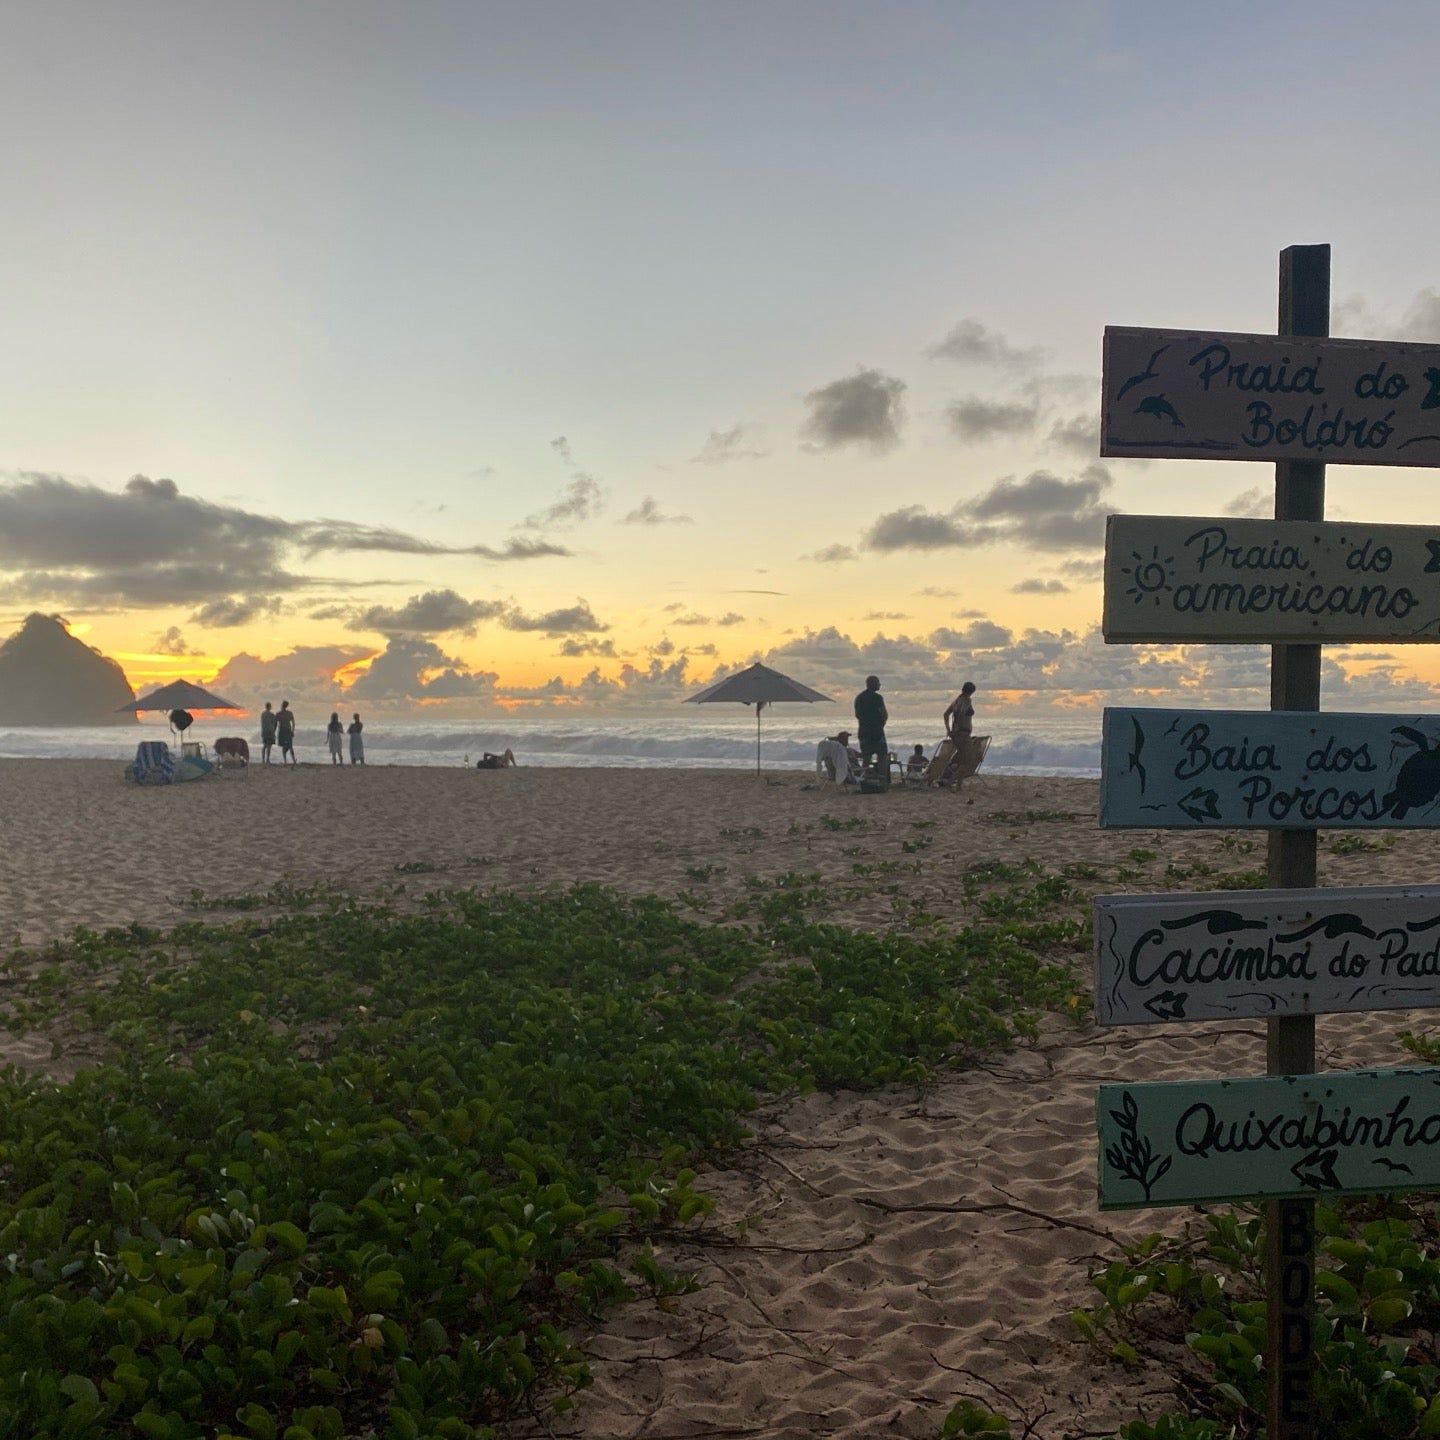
[
  {"x": 1361, "y": 1132},
  {"x": 1229, "y": 582},
  {"x": 1179, "y": 394},
  {"x": 1269, "y": 769},
  {"x": 1227, "y": 955},
  {"x": 1300, "y": 399}
]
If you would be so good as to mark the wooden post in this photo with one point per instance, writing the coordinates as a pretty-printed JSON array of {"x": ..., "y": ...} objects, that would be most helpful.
[{"x": 1290, "y": 1043}]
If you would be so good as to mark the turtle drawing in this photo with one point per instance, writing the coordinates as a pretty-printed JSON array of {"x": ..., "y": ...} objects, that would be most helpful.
[
  {"x": 1160, "y": 408},
  {"x": 1418, "y": 781}
]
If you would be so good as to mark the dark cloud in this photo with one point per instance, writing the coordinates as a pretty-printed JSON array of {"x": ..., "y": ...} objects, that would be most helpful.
[
  {"x": 171, "y": 642},
  {"x": 832, "y": 555},
  {"x": 150, "y": 544},
  {"x": 572, "y": 648},
  {"x": 979, "y": 634},
  {"x": 1040, "y": 587},
  {"x": 580, "y": 500},
  {"x": 433, "y": 613},
  {"x": 1080, "y": 433},
  {"x": 861, "y": 409},
  {"x": 729, "y": 618},
  {"x": 1257, "y": 503},
  {"x": 231, "y": 610},
  {"x": 306, "y": 673},
  {"x": 1042, "y": 512},
  {"x": 972, "y": 343},
  {"x": 576, "y": 619},
  {"x": 648, "y": 512},
  {"x": 973, "y": 418},
  {"x": 723, "y": 446},
  {"x": 411, "y": 668}
]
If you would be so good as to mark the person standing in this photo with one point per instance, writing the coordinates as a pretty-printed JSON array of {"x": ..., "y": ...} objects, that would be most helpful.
[
  {"x": 871, "y": 715},
  {"x": 267, "y": 733},
  {"x": 357, "y": 741},
  {"x": 285, "y": 732},
  {"x": 333, "y": 733},
  {"x": 960, "y": 715}
]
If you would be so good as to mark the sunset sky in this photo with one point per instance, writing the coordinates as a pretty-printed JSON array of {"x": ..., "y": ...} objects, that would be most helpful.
[{"x": 560, "y": 353}]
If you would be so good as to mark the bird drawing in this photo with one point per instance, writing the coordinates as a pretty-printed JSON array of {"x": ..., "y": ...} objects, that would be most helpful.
[{"x": 1148, "y": 373}]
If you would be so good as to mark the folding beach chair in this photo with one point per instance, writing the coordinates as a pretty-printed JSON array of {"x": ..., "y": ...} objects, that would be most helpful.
[
  {"x": 954, "y": 763},
  {"x": 153, "y": 764}
]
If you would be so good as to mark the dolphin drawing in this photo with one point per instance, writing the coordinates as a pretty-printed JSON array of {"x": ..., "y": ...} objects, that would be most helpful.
[
  {"x": 1160, "y": 408},
  {"x": 1148, "y": 373},
  {"x": 1432, "y": 395},
  {"x": 1137, "y": 766}
]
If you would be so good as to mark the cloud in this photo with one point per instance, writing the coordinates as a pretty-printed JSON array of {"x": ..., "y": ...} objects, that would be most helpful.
[
  {"x": 648, "y": 513},
  {"x": 938, "y": 592},
  {"x": 576, "y": 619},
  {"x": 861, "y": 409},
  {"x": 832, "y": 555},
  {"x": 729, "y": 618},
  {"x": 975, "y": 419},
  {"x": 1257, "y": 503},
  {"x": 1080, "y": 433},
  {"x": 721, "y": 447},
  {"x": 307, "y": 672},
  {"x": 979, "y": 634},
  {"x": 972, "y": 343},
  {"x": 1039, "y": 587},
  {"x": 573, "y": 647},
  {"x": 411, "y": 668},
  {"x": 150, "y": 544},
  {"x": 231, "y": 610},
  {"x": 885, "y": 615},
  {"x": 1420, "y": 320},
  {"x": 1041, "y": 512},
  {"x": 580, "y": 500},
  {"x": 171, "y": 642},
  {"x": 433, "y": 613}
]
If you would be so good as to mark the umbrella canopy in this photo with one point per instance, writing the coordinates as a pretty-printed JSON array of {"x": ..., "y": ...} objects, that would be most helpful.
[
  {"x": 181, "y": 695},
  {"x": 758, "y": 686}
]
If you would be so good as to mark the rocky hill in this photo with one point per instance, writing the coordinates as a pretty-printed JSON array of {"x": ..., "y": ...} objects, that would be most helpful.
[{"x": 48, "y": 677}]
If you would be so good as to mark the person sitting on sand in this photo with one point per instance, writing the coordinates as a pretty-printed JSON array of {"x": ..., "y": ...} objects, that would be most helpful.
[
  {"x": 333, "y": 731},
  {"x": 496, "y": 762},
  {"x": 357, "y": 740},
  {"x": 917, "y": 762},
  {"x": 285, "y": 732}
]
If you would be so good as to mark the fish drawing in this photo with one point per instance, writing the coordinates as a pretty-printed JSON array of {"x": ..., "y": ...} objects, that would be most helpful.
[
  {"x": 1137, "y": 749},
  {"x": 1148, "y": 373},
  {"x": 1160, "y": 408}
]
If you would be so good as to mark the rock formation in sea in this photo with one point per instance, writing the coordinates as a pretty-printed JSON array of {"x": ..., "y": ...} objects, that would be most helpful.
[{"x": 48, "y": 677}]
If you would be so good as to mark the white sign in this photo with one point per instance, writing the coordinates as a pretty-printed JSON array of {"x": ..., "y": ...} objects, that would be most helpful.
[
  {"x": 1268, "y": 769},
  {"x": 1226, "y": 581},
  {"x": 1223, "y": 955}
]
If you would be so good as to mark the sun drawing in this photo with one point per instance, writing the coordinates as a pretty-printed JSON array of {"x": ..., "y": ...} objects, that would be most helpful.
[{"x": 1152, "y": 577}]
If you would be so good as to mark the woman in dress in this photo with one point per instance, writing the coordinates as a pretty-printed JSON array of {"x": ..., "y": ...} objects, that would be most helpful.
[
  {"x": 357, "y": 741},
  {"x": 333, "y": 731}
]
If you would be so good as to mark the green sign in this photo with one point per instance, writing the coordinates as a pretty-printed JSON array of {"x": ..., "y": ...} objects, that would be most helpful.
[{"x": 1280, "y": 1137}]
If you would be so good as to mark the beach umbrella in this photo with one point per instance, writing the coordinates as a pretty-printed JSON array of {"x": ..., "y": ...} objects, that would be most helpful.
[
  {"x": 758, "y": 686},
  {"x": 180, "y": 695}
]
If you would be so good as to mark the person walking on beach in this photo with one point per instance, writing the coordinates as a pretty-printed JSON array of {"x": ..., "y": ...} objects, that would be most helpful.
[
  {"x": 872, "y": 715},
  {"x": 357, "y": 741},
  {"x": 285, "y": 732},
  {"x": 267, "y": 733},
  {"x": 333, "y": 731}
]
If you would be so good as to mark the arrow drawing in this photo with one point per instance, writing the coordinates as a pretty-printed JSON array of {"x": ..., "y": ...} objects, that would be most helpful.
[
  {"x": 1200, "y": 805},
  {"x": 1148, "y": 373},
  {"x": 1317, "y": 1170},
  {"x": 1168, "y": 1004}
]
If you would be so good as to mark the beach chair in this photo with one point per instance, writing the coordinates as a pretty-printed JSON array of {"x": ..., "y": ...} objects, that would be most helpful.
[
  {"x": 955, "y": 763},
  {"x": 153, "y": 764}
]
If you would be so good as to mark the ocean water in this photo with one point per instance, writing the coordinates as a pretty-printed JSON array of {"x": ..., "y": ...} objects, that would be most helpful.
[{"x": 1026, "y": 745}]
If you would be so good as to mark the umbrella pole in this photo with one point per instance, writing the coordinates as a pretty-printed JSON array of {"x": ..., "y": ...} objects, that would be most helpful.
[{"x": 759, "y": 706}]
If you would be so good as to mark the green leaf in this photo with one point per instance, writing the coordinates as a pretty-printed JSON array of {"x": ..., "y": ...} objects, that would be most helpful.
[
  {"x": 290, "y": 1238},
  {"x": 80, "y": 1389}
]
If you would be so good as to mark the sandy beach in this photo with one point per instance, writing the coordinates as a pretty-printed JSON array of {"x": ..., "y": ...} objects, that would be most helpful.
[{"x": 885, "y": 1253}]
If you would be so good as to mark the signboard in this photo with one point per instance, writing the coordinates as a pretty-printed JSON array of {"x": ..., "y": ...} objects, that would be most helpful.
[
  {"x": 1226, "y": 581},
  {"x": 1178, "y": 393},
  {"x": 1226, "y": 956},
  {"x": 1269, "y": 769},
  {"x": 1278, "y": 1137}
]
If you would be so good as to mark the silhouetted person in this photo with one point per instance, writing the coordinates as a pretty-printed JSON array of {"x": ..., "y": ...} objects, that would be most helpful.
[
  {"x": 357, "y": 740},
  {"x": 267, "y": 733},
  {"x": 285, "y": 732},
  {"x": 960, "y": 714},
  {"x": 334, "y": 733},
  {"x": 871, "y": 715}
]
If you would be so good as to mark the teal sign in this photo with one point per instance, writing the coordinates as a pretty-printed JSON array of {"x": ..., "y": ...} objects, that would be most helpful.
[{"x": 1279, "y": 1137}]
